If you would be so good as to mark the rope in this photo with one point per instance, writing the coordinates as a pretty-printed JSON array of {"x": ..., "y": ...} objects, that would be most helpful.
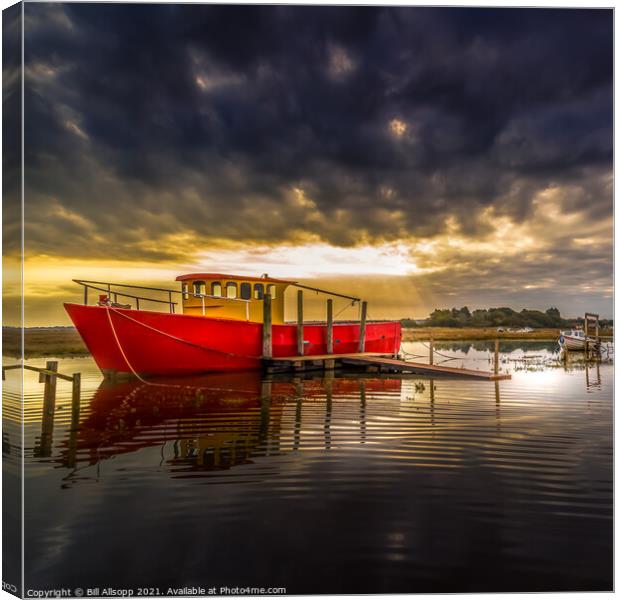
[
  {"x": 120, "y": 347},
  {"x": 146, "y": 382},
  {"x": 343, "y": 309},
  {"x": 178, "y": 339},
  {"x": 438, "y": 353}
]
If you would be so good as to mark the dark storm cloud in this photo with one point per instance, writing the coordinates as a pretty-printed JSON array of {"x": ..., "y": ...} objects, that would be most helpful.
[{"x": 147, "y": 121}]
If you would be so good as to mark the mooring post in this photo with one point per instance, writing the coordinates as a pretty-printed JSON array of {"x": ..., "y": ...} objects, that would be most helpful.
[
  {"x": 330, "y": 326},
  {"x": 267, "y": 351},
  {"x": 75, "y": 420},
  {"x": 329, "y": 364},
  {"x": 362, "y": 342},
  {"x": 585, "y": 329},
  {"x": 496, "y": 359},
  {"x": 300, "y": 323},
  {"x": 430, "y": 350},
  {"x": 75, "y": 400},
  {"x": 85, "y": 295},
  {"x": 49, "y": 408}
]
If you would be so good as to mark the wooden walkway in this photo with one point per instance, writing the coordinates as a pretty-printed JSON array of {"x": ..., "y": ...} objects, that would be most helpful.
[{"x": 373, "y": 361}]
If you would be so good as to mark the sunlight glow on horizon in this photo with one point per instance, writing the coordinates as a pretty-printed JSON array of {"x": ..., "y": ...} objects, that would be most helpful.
[{"x": 313, "y": 260}]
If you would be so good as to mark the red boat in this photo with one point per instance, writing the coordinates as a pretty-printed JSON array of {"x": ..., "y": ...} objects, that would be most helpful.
[{"x": 223, "y": 327}]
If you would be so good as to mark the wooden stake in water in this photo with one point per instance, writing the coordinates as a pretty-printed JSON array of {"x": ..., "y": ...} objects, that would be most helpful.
[
  {"x": 300, "y": 323},
  {"x": 496, "y": 359},
  {"x": 430, "y": 350},
  {"x": 330, "y": 326},
  {"x": 75, "y": 400},
  {"x": 362, "y": 341},
  {"x": 49, "y": 408},
  {"x": 267, "y": 347}
]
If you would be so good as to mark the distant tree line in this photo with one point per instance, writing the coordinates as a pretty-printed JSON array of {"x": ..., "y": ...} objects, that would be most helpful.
[{"x": 496, "y": 317}]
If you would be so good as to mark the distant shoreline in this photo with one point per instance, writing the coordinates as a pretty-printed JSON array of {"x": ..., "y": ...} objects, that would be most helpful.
[
  {"x": 65, "y": 341},
  {"x": 456, "y": 334}
]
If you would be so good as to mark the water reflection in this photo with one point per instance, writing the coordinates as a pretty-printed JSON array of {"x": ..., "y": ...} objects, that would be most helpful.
[
  {"x": 214, "y": 422},
  {"x": 382, "y": 483}
]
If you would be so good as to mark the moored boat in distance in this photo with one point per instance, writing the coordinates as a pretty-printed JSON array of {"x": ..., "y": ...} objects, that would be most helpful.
[
  {"x": 221, "y": 327},
  {"x": 575, "y": 339}
]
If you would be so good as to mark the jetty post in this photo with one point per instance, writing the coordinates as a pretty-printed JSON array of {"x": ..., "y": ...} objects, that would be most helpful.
[
  {"x": 430, "y": 350},
  {"x": 586, "y": 326},
  {"x": 49, "y": 407},
  {"x": 329, "y": 364},
  {"x": 300, "y": 323},
  {"x": 267, "y": 345},
  {"x": 496, "y": 358},
  {"x": 362, "y": 341},
  {"x": 76, "y": 385}
]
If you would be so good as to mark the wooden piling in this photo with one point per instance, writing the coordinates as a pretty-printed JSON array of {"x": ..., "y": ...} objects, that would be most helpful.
[
  {"x": 330, "y": 326},
  {"x": 330, "y": 363},
  {"x": 267, "y": 344},
  {"x": 430, "y": 350},
  {"x": 598, "y": 340},
  {"x": 75, "y": 400},
  {"x": 85, "y": 295},
  {"x": 496, "y": 358},
  {"x": 300, "y": 323},
  {"x": 362, "y": 341},
  {"x": 49, "y": 408},
  {"x": 49, "y": 392}
]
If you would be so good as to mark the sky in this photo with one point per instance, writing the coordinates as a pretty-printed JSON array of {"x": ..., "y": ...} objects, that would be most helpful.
[{"x": 418, "y": 157}]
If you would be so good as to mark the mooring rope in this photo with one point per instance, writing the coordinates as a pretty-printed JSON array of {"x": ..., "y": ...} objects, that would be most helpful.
[
  {"x": 348, "y": 305},
  {"x": 439, "y": 353},
  {"x": 120, "y": 347},
  {"x": 152, "y": 383},
  {"x": 181, "y": 340}
]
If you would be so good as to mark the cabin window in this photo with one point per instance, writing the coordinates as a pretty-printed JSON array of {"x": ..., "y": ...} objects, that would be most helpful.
[
  {"x": 245, "y": 291},
  {"x": 216, "y": 288},
  {"x": 271, "y": 290},
  {"x": 231, "y": 289},
  {"x": 185, "y": 290},
  {"x": 259, "y": 291},
  {"x": 199, "y": 287}
]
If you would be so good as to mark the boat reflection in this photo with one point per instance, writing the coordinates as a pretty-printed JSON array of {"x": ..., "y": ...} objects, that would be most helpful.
[{"x": 213, "y": 422}]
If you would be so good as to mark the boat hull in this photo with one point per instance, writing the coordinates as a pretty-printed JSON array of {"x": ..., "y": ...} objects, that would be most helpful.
[
  {"x": 148, "y": 343},
  {"x": 575, "y": 344}
]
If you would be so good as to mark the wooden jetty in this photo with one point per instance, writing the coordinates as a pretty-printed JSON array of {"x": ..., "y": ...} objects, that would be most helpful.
[
  {"x": 368, "y": 361},
  {"x": 374, "y": 362},
  {"x": 49, "y": 376}
]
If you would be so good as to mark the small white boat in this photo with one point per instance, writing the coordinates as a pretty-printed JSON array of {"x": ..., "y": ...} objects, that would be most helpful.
[{"x": 575, "y": 339}]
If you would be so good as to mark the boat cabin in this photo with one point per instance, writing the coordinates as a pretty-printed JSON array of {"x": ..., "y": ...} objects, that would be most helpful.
[
  {"x": 577, "y": 333},
  {"x": 232, "y": 296}
]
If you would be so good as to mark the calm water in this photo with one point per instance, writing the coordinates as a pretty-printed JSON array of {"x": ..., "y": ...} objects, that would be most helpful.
[{"x": 345, "y": 484}]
